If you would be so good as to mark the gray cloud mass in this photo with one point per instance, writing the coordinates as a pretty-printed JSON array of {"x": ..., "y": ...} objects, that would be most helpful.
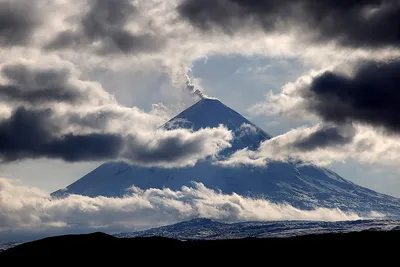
[
  {"x": 54, "y": 114},
  {"x": 326, "y": 136},
  {"x": 38, "y": 134},
  {"x": 38, "y": 85},
  {"x": 105, "y": 22},
  {"x": 370, "y": 95},
  {"x": 33, "y": 134},
  {"x": 371, "y": 23},
  {"x": 18, "y": 21}
]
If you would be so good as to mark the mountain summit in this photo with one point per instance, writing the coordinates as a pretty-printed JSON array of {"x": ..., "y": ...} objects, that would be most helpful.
[
  {"x": 211, "y": 113},
  {"x": 302, "y": 186}
]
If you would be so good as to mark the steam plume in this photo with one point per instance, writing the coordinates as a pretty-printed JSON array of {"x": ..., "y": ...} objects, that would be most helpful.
[{"x": 194, "y": 89}]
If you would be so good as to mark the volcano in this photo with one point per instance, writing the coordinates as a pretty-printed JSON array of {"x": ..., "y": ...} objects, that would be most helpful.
[{"x": 304, "y": 186}]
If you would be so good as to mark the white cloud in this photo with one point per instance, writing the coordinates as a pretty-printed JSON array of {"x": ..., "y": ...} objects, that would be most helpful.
[
  {"x": 29, "y": 209},
  {"x": 5, "y": 110},
  {"x": 245, "y": 129},
  {"x": 289, "y": 101},
  {"x": 184, "y": 147},
  {"x": 368, "y": 145}
]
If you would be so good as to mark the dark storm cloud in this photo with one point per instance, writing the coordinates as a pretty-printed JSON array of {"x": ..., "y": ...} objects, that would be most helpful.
[
  {"x": 370, "y": 23},
  {"x": 105, "y": 22},
  {"x": 33, "y": 134},
  {"x": 93, "y": 120},
  {"x": 326, "y": 136},
  {"x": 36, "y": 85},
  {"x": 18, "y": 20},
  {"x": 371, "y": 95},
  {"x": 172, "y": 148}
]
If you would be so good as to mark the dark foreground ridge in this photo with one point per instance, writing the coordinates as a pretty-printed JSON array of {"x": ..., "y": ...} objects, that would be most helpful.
[{"x": 358, "y": 247}]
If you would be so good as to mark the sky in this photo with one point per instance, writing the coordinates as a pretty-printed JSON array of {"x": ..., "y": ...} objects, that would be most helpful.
[{"x": 86, "y": 82}]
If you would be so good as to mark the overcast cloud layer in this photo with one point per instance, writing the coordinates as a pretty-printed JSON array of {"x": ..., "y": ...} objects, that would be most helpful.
[
  {"x": 171, "y": 34},
  {"x": 50, "y": 47}
]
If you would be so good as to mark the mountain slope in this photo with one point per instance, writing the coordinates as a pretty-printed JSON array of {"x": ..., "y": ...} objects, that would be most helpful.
[
  {"x": 206, "y": 229},
  {"x": 303, "y": 186}
]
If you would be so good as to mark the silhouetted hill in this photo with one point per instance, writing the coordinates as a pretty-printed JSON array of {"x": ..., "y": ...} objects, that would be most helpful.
[{"x": 98, "y": 248}]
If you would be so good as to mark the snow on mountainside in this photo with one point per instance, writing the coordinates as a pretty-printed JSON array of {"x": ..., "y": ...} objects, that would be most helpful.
[
  {"x": 212, "y": 113},
  {"x": 303, "y": 186},
  {"x": 203, "y": 228}
]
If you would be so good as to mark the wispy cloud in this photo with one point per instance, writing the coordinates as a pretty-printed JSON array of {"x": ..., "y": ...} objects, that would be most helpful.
[{"x": 25, "y": 208}]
